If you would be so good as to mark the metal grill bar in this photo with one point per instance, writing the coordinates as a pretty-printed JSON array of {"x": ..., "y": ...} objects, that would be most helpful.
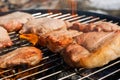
[
  {"x": 31, "y": 68},
  {"x": 92, "y": 20},
  {"x": 100, "y": 70},
  {"x": 111, "y": 21},
  {"x": 100, "y": 20},
  {"x": 70, "y": 74},
  {"x": 45, "y": 49},
  {"x": 11, "y": 33},
  {"x": 76, "y": 18},
  {"x": 50, "y": 75},
  {"x": 54, "y": 15},
  {"x": 118, "y": 70},
  {"x": 64, "y": 16},
  {"x": 47, "y": 57},
  {"x": 5, "y": 71},
  {"x": 39, "y": 13},
  {"x": 67, "y": 76},
  {"x": 67, "y": 17},
  {"x": 40, "y": 72},
  {"x": 43, "y": 15},
  {"x": 86, "y": 18},
  {"x": 61, "y": 16}
]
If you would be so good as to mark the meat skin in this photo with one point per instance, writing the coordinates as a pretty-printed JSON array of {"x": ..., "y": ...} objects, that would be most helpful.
[
  {"x": 78, "y": 56},
  {"x": 24, "y": 55},
  {"x": 92, "y": 40},
  {"x": 56, "y": 41},
  {"x": 14, "y": 21},
  {"x": 100, "y": 26},
  {"x": 5, "y": 40},
  {"x": 42, "y": 26}
]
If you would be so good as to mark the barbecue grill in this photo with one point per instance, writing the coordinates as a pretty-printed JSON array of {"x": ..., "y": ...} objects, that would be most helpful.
[{"x": 52, "y": 66}]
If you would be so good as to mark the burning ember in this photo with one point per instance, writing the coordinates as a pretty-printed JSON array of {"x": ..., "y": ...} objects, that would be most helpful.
[{"x": 30, "y": 37}]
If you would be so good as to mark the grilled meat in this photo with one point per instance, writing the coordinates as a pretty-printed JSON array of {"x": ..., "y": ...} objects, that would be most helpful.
[
  {"x": 14, "y": 21},
  {"x": 78, "y": 56},
  {"x": 25, "y": 55},
  {"x": 92, "y": 40},
  {"x": 100, "y": 26},
  {"x": 106, "y": 26},
  {"x": 73, "y": 53},
  {"x": 4, "y": 38},
  {"x": 58, "y": 40},
  {"x": 43, "y": 25},
  {"x": 43, "y": 38}
]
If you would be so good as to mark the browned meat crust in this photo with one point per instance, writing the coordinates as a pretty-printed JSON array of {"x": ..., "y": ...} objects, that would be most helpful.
[
  {"x": 58, "y": 40},
  {"x": 100, "y": 26},
  {"x": 25, "y": 55},
  {"x": 5, "y": 40},
  {"x": 78, "y": 56},
  {"x": 14, "y": 21},
  {"x": 43, "y": 25},
  {"x": 92, "y": 40}
]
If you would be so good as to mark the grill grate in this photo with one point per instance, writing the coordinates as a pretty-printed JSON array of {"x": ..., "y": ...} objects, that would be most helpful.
[{"x": 52, "y": 66}]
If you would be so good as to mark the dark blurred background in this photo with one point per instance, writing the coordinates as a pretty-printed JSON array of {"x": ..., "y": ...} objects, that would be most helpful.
[{"x": 110, "y": 7}]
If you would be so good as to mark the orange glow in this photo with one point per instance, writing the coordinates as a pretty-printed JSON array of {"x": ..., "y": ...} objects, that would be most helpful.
[
  {"x": 73, "y": 5},
  {"x": 30, "y": 37},
  {"x": 74, "y": 15},
  {"x": 51, "y": 11}
]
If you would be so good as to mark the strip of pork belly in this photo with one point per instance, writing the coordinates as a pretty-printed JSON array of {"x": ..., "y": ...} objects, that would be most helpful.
[
  {"x": 5, "y": 40},
  {"x": 58, "y": 40},
  {"x": 43, "y": 25},
  {"x": 76, "y": 55},
  {"x": 24, "y": 55},
  {"x": 100, "y": 26},
  {"x": 14, "y": 21},
  {"x": 92, "y": 40}
]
